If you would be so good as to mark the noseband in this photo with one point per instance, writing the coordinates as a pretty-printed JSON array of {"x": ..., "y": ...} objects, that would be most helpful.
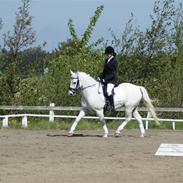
[{"x": 77, "y": 85}]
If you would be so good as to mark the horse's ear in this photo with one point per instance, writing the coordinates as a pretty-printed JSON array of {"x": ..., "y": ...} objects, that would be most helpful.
[{"x": 71, "y": 72}]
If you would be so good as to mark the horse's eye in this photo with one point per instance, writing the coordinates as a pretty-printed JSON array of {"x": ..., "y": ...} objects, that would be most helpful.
[{"x": 74, "y": 83}]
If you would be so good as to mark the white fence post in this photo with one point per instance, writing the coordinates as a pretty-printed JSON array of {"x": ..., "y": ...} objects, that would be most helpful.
[
  {"x": 147, "y": 122},
  {"x": 173, "y": 125},
  {"x": 5, "y": 121},
  {"x": 51, "y": 117},
  {"x": 24, "y": 122}
]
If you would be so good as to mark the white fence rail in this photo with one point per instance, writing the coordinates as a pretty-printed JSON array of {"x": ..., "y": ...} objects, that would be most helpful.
[{"x": 52, "y": 116}]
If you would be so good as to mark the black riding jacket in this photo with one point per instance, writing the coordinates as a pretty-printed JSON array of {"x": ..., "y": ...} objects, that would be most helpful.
[{"x": 109, "y": 73}]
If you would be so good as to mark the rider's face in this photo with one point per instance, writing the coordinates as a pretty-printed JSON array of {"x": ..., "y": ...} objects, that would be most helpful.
[{"x": 108, "y": 56}]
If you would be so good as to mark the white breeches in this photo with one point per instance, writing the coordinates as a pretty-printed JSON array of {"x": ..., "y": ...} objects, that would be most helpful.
[{"x": 110, "y": 86}]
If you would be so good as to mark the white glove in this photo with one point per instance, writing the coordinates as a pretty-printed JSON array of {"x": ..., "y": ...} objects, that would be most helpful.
[{"x": 98, "y": 79}]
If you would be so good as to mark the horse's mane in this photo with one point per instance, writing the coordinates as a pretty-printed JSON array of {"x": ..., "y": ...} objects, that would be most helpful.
[{"x": 85, "y": 77}]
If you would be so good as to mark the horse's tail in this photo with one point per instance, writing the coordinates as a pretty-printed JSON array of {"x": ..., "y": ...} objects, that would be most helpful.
[{"x": 149, "y": 104}]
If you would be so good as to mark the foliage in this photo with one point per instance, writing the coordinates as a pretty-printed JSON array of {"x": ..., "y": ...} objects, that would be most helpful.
[
  {"x": 84, "y": 41},
  {"x": 5, "y": 93},
  {"x": 170, "y": 82},
  {"x": 23, "y": 34},
  {"x": 87, "y": 34},
  {"x": 22, "y": 37},
  {"x": 72, "y": 31},
  {"x": 152, "y": 58},
  {"x": 87, "y": 61},
  {"x": 76, "y": 55},
  {"x": 32, "y": 62}
]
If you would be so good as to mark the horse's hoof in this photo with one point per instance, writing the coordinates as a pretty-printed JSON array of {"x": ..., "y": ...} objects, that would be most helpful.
[
  {"x": 142, "y": 135},
  {"x": 70, "y": 134},
  {"x": 117, "y": 134},
  {"x": 105, "y": 136}
]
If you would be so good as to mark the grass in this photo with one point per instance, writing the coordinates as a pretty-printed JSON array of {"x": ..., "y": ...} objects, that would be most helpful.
[{"x": 37, "y": 124}]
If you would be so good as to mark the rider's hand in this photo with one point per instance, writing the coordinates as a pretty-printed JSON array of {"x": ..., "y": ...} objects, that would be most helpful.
[
  {"x": 98, "y": 79},
  {"x": 103, "y": 80}
]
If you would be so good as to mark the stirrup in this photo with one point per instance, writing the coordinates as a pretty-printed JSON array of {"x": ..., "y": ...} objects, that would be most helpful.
[
  {"x": 109, "y": 108},
  {"x": 106, "y": 107},
  {"x": 112, "y": 109}
]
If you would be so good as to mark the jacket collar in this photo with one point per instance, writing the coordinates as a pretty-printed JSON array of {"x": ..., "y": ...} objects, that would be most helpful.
[{"x": 109, "y": 59}]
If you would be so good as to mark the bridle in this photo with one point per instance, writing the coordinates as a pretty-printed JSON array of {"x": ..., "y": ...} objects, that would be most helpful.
[{"x": 74, "y": 90}]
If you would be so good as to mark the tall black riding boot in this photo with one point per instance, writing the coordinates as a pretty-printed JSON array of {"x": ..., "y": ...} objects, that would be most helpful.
[{"x": 111, "y": 100}]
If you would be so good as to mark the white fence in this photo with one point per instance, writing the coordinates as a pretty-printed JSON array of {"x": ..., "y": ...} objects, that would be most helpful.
[{"x": 52, "y": 116}]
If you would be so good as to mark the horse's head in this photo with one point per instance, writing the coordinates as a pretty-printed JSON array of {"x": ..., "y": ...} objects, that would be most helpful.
[{"x": 74, "y": 83}]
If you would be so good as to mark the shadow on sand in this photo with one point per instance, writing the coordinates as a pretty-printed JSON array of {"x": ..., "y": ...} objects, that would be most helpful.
[
  {"x": 93, "y": 135},
  {"x": 74, "y": 135}
]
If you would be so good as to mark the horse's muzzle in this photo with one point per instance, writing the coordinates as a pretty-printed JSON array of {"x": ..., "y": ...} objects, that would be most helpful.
[{"x": 71, "y": 93}]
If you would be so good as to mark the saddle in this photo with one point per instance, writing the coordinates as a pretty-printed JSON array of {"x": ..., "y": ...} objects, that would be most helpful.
[{"x": 104, "y": 88}]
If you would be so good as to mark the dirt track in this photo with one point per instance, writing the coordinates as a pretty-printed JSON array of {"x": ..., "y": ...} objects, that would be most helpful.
[{"x": 33, "y": 156}]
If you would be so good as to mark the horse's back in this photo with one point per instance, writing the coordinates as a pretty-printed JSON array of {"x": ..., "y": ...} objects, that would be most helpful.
[
  {"x": 130, "y": 93},
  {"x": 127, "y": 87}
]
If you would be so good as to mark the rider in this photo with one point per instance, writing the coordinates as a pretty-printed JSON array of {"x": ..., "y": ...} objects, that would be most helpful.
[{"x": 109, "y": 75}]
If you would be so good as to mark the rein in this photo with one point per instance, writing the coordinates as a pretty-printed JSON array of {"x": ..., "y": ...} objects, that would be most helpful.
[{"x": 83, "y": 88}]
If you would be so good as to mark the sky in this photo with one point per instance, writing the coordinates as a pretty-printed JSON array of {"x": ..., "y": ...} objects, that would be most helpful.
[{"x": 50, "y": 17}]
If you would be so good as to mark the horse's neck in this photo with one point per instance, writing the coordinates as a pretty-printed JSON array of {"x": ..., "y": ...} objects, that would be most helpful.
[{"x": 85, "y": 80}]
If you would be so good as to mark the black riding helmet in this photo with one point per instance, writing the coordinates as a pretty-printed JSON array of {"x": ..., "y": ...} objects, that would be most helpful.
[{"x": 110, "y": 50}]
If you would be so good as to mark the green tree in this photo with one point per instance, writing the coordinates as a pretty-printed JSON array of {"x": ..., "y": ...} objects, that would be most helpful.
[
  {"x": 21, "y": 38},
  {"x": 145, "y": 46},
  {"x": 33, "y": 62},
  {"x": 23, "y": 35},
  {"x": 176, "y": 39},
  {"x": 153, "y": 57},
  {"x": 74, "y": 54},
  {"x": 84, "y": 41}
]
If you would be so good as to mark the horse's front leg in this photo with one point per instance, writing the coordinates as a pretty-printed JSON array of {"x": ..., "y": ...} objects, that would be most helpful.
[
  {"x": 100, "y": 114},
  {"x": 82, "y": 113}
]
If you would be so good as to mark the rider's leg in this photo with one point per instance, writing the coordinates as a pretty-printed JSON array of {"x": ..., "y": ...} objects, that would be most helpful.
[
  {"x": 111, "y": 100},
  {"x": 110, "y": 87}
]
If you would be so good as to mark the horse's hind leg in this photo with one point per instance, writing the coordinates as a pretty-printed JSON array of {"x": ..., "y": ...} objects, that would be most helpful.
[
  {"x": 139, "y": 119},
  {"x": 82, "y": 113},
  {"x": 123, "y": 124}
]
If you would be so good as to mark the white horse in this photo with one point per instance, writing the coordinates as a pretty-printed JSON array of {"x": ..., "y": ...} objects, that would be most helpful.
[{"x": 126, "y": 94}]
